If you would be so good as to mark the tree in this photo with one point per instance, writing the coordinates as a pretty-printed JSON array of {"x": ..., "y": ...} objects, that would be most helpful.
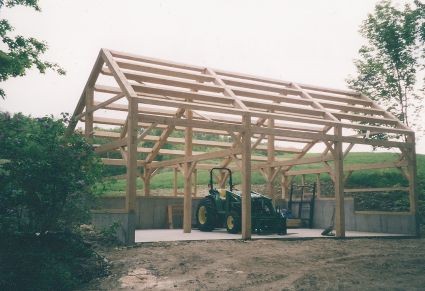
[
  {"x": 46, "y": 180},
  {"x": 21, "y": 53},
  {"x": 392, "y": 59}
]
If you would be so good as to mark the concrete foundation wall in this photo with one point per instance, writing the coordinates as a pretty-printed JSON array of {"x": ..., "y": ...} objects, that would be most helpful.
[
  {"x": 104, "y": 220},
  {"x": 152, "y": 214},
  {"x": 386, "y": 223}
]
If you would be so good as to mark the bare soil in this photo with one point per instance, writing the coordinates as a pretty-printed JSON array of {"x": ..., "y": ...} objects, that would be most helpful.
[{"x": 318, "y": 264}]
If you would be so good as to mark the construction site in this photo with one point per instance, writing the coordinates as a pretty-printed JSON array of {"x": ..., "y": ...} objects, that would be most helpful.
[{"x": 269, "y": 126}]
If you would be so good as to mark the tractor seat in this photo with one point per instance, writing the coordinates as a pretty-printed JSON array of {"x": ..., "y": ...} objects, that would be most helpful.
[{"x": 222, "y": 193}]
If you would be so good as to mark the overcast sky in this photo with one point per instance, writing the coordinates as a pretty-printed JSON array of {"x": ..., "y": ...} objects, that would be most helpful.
[{"x": 311, "y": 42}]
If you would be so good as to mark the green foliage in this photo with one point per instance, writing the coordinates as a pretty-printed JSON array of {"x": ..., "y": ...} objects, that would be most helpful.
[
  {"x": 46, "y": 187},
  {"x": 390, "y": 62},
  {"x": 382, "y": 201},
  {"x": 21, "y": 53},
  {"x": 46, "y": 179},
  {"x": 51, "y": 261},
  {"x": 108, "y": 235}
]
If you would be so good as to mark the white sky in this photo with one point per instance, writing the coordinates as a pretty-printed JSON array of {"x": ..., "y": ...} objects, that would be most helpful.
[{"x": 306, "y": 41}]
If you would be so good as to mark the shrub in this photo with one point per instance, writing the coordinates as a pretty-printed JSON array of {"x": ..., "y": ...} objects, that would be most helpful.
[
  {"x": 45, "y": 179},
  {"x": 46, "y": 190}
]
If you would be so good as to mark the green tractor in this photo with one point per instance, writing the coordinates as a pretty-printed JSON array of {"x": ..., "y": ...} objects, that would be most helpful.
[{"x": 222, "y": 208}]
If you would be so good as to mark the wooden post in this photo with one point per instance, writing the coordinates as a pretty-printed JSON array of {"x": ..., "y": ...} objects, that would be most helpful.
[
  {"x": 147, "y": 181},
  {"x": 130, "y": 201},
  {"x": 88, "y": 127},
  {"x": 246, "y": 176},
  {"x": 282, "y": 185},
  {"x": 187, "y": 203},
  {"x": 411, "y": 168},
  {"x": 222, "y": 180},
  {"x": 195, "y": 182},
  {"x": 175, "y": 181},
  {"x": 318, "y": 186},
  {"x": 339, "y": 185},
  {"x": 270, "y": 159}
]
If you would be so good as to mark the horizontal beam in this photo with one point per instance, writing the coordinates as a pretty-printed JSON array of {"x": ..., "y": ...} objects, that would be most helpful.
[
  {"x": 183, "y": 94},
  {"x": 199, "y": 142},
  {"x": 206, "y": 156},
  {"x": 339, "y": 98},
  {"x": 351, "y": 108},
  {"x": 356, "y": 117},
  {"x": 119, "y": 162},
  {"x": 215, "y": 127},
  {"x": 293, "y": 162},
  {"x": 188, "y": 123}
]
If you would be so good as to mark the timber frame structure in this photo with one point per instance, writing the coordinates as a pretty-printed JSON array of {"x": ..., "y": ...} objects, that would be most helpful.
[{"x": 257, "y": 114}]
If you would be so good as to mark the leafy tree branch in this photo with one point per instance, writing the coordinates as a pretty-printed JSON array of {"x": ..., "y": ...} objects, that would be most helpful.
[
  {"x": 391, "y": 62},
  {"x": 21, "y": 53}
]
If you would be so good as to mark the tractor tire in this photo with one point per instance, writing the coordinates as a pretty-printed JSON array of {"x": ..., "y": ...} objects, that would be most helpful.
[
  {"x": 206, "y": 215},
  {"x": 233, "y": 222}
]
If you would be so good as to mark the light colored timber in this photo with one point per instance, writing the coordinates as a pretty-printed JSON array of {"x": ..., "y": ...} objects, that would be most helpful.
[
  {"x": 130, "y": 201},
  {"x": 163, "y": 138},
  {"x": 351, "y": 108},
  {"x": 88, "y": 128},
  {"x": 285, "y": 134},
  {"x": 209, "y": 117},
  {"x": 201, "y": 157},
  {"x": 172, "y": 72},
  {"x": 111, "y": 146},
  {"x": 292, "y": 162},
  {"x": 356, "y": 117},
  {"x": 188, "y": 169},
  {"x": 338, "y": 175},
  {"x": 182, "y": 153},
  {"x": 82, "y": 100},
  {"x": 167, "y": 81},
  {"x": 339, "y": 98},
  {"x": 246, "y": 177},
  {"x": 236, "y": 111},
  {"x": 197, "y": 142},
  {"x": 227, "y": 91},
  {"x": 97, "y": 105},
  {"x": 155, "y": 61},
  {"x": 183, "y": 94},
  {"x": 234, "y": 105},
  {"x": 116, "y": 72},
  {"x": 386, "y": 113},
  {"x": 119, "y": 162},
  {"x": 412, "y": 177}
]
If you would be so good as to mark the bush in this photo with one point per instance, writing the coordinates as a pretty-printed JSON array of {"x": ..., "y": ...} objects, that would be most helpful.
[
  {"x": 45, "y": 179},
  {"x": 50, "y": 261},
  {"x": 46, "y": 190}
]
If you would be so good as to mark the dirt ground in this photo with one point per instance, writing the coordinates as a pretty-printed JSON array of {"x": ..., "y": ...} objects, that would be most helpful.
[{"x": 318, "y": 264}]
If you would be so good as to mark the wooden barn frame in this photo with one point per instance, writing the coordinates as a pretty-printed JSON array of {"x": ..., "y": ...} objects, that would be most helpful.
[{"x": 170, "y": 96}]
